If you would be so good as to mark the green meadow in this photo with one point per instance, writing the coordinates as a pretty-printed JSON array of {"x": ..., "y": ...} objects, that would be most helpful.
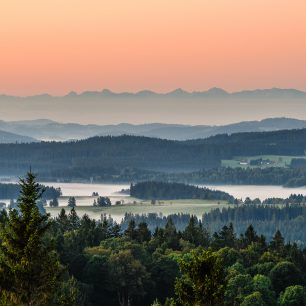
[
  {"x": 272, "y": 161},
  {"x": 195, "y": 207}
]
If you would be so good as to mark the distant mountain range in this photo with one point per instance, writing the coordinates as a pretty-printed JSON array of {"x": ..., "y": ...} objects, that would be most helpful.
[
  {"x": 212, "y": 107},
  {"x": 43, "y": 129},
  {"x": 179, "y": 92}
]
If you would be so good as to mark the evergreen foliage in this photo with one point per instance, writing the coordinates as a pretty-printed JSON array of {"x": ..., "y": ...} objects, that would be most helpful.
[
  {"x": 170, "y": 191},
  {"x": 71, "y": 202},
  {"x": 150, "y": 260},
  {"x": 11, "y": 191},
  {"x": 28, "y": 266},
  {"x": 128, "y": 158}
]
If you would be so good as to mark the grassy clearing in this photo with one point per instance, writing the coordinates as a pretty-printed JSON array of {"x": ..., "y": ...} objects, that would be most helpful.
[
  {"x": 195, "y": 207},
  {"x": 274, "y": 161}
]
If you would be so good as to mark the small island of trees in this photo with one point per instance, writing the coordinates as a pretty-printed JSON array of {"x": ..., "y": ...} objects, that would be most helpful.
[{"x": 152, "y": 190}]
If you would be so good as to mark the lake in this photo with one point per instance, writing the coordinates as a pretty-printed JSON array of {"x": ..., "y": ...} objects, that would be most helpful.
[
  {"x": 238, "y": 191},
  {"x": 84, "y": 199},
  {"x": 83, "y": 194},
  {"x": 261, "y": 192}
]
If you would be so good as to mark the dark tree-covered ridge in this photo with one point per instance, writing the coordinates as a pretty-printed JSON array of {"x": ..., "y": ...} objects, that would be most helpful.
[
  {"x": 12, "y": 191},
  {"x": 171, "y": 191},
  {"x": 79, "y": 158},
  {"x": 289, "y": 177}
]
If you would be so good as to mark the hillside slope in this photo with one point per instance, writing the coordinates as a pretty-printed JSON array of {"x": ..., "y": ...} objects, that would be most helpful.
[
  {"x": 99, "y": 155},
  {"x": 51, "y": 130},
  {"x": 7, "y": 137}
]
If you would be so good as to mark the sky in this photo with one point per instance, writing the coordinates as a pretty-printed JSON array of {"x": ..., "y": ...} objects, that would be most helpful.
[{"x": 58, "y": 46}]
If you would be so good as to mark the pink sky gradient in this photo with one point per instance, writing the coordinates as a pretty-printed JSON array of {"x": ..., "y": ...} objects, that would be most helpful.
[{"x": 56, "y": 46}]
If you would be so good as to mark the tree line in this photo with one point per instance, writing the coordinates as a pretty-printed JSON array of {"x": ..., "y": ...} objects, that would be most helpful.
[
  {"x": 92, "y": 157},
  {"x": 265, "y": 218},
  {"x": 154, "y": 190},
  {"x": 288, "y": 177},
  {"x": 12, "y": 191}
]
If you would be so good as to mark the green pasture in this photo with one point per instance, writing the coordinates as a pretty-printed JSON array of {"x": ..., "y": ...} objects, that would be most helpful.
[
  {"x": 195, "y": 207},
  {"x": 274, "y": 161}
]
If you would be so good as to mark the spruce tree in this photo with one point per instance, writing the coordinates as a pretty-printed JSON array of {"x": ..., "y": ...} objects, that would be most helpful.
[
  {"x": 28, "y": 266},
  {"x": 71, "y": 202}
]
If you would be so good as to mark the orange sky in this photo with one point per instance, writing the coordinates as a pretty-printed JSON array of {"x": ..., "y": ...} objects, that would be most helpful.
[{"x": 57, "y": 46}]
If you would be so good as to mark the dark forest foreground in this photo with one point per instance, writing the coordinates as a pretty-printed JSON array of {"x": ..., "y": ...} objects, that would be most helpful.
[{"x": 73, "y": 261}]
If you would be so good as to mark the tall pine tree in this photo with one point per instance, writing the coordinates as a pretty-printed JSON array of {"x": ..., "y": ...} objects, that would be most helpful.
[{"x": 29, "y": 268}]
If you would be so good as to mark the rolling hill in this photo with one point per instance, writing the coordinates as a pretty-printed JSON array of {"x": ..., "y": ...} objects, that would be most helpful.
[
  {"x": 112, "y": 156},
  {"x": 52, "y": 130},
  {"x": 7, "y": 137}
]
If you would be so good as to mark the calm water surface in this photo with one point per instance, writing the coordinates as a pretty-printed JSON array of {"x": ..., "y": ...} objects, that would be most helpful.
[
  {"x": 261, "y": 192},
  {"x": 238, "y": 191},
  {"x": 83, "y": 193}
]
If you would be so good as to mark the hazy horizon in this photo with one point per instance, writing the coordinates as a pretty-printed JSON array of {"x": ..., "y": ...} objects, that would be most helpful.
[
  {"x": 212, "y": 107},
  {"x": 61, "y": 46}
]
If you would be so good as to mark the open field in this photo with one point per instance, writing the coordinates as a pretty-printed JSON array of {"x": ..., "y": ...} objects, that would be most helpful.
[
  {"x": 195, "y": 207},
  {"x": 269, "y": 161}
]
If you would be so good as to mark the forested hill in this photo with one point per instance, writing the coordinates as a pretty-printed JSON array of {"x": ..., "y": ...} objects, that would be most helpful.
[
  {"x": 173, "y": 191},
  {"x": 7, "y": 137},
  {"x": 251, "y": 137},
  {"x": 284, "y": 142},
  {"x": 12, "y": 191},
  {"x": 48, "y": 130},
  {"x": 90, "y": 157}
]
